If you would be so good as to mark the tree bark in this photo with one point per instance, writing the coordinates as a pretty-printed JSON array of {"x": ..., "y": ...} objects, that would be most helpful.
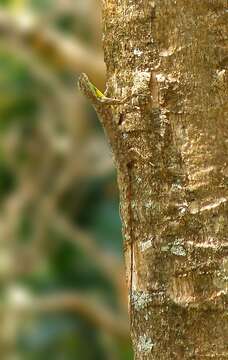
[{"x": 172, "y": 55}]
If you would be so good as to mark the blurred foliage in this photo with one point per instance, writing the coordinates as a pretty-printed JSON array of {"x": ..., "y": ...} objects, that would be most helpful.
[{"x": 60, "y": 232}]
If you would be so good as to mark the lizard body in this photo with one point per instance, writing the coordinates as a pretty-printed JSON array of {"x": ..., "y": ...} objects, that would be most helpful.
[{"x": 103, "y": 107}]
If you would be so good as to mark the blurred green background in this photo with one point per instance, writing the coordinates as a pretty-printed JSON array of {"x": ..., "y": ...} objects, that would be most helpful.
[{"x": 62, "y": 286}]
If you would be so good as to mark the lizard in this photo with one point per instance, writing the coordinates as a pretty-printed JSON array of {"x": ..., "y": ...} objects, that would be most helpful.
[{"x": 103, "y": 107}]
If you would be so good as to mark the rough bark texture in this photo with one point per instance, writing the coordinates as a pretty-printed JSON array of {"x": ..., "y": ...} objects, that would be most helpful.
[{"x": 173, "y": 55}]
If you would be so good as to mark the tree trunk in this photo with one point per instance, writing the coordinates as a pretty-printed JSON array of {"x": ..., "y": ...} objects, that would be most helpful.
[{"x": 172, "y": 55}]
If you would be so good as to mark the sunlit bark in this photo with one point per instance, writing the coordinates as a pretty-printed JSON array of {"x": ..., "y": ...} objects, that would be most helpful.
[{"x": 173, "y": 55}]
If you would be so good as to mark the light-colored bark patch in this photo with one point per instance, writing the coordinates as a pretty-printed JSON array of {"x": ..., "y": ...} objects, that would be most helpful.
[{"x": 145, "y": 344}]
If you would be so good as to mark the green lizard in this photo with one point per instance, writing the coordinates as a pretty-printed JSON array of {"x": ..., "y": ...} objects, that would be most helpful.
[{"x": 103, "y": 106}]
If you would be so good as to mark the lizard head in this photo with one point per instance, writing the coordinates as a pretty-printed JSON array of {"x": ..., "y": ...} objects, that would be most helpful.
[{"x": 87, "y": 88}]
